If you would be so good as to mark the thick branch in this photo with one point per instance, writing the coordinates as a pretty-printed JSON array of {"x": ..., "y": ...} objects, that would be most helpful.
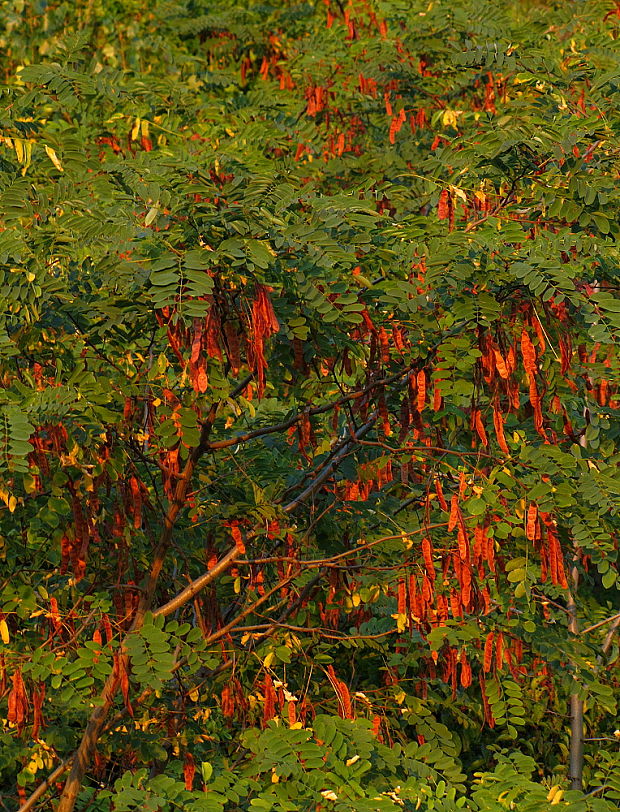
[
  {"x": 271, "y": 628},
  {"x": 329, "y": 470},
  {"x": 86, "y": 749},
  {"x": 45, "y": 785},
  {"x": 194, "y": 588}
]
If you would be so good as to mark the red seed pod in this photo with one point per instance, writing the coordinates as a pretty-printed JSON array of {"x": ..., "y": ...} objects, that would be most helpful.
[
  {"x": 499, "y": 651},
  {"x": 444, "y": 206},
  {"x": 384, "y": 414},
  {"x": 532, "y": 514},
  {"x": 463, "y": 542},
  {"x": 189, "y": 771},
  {"x": 38, "y": 697},
  {"x": 345, "y": 698},
  {"x": 455, "y": 604},
  {"x": 402, "y": 597},
  {"x": 454, "y": 512},
  {"x": 427, "y": 590},
  {"x": 237, "y": 537},
  {"x": 498, "y": 423},
  {"x": 479, "y": 426},
  {"x": 264, "y": 325},
  {"x": 500, "y": 364},
  {"x": 488, "y": 652},
  {"x": 18, "y": 701},
  {"x": 427, "y": 552},
  {"x": 440, "y": 496},
  {"x": 415, "y": 605},
  {"x": 486, "y": 597},
  {"x": 376, "y": 726},
  {"x": 227, "y": 703},
  {"x": 384, "y": 345},
  {"x": 442, "y": 609},
  {"x": 421, "y": 387},
  {"x": 136, "y": 506},
  {"x": 465, "y": 671},
  {"x": 231, "y": 343},
  {"x": 529, "y": 355},
  {"x": 292, "y": 713},
  {"x": 120, "y": 666},
  {"x": 269, "y": 710},
  {"x": 388, "y": 105},
  {"x": 99, "y": 640}
]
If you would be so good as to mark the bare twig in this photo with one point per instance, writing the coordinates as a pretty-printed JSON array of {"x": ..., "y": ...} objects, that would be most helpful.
[{"x": 607, "y": 620}]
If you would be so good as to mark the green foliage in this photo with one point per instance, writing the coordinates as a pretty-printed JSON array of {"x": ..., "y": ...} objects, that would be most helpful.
[{"x": 335, "y": 287}]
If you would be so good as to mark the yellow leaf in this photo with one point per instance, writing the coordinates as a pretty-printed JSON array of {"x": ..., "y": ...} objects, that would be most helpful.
[
  {"x": 449, "y": 118},
  {"x": 51, "y": 154},
  {"x": 555, "y": 795},
  {"x": 152, "y": 214},
  {"x": 12, "y": 503},
  {"x": 268, "y": 659},
  {"x": 401, "y": 622},
  {"x": 406, "y": 540},
  {"x": 27, "y": 156},
  {"x": 459, "y": 193},
  {"x": 4, "y": 632},
  {"x": 135, "y": 130}
]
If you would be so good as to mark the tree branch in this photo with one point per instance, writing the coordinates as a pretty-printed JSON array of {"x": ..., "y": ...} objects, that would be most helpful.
[
  {"x": 609, "y": 637},
  {"x": 315, "y": 410},
  {"x": 329, "y": 470},
  {"x": 607, "y": 620},
  {"x": 199, "y": 583},
  {"x": 84, "y": 754},
  {"x": 45, "y": 785},
  {"x": 65, "y": 765}
]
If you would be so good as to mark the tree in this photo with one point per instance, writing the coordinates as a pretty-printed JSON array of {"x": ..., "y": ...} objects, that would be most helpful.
[{"x": 309, "y": 386}]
